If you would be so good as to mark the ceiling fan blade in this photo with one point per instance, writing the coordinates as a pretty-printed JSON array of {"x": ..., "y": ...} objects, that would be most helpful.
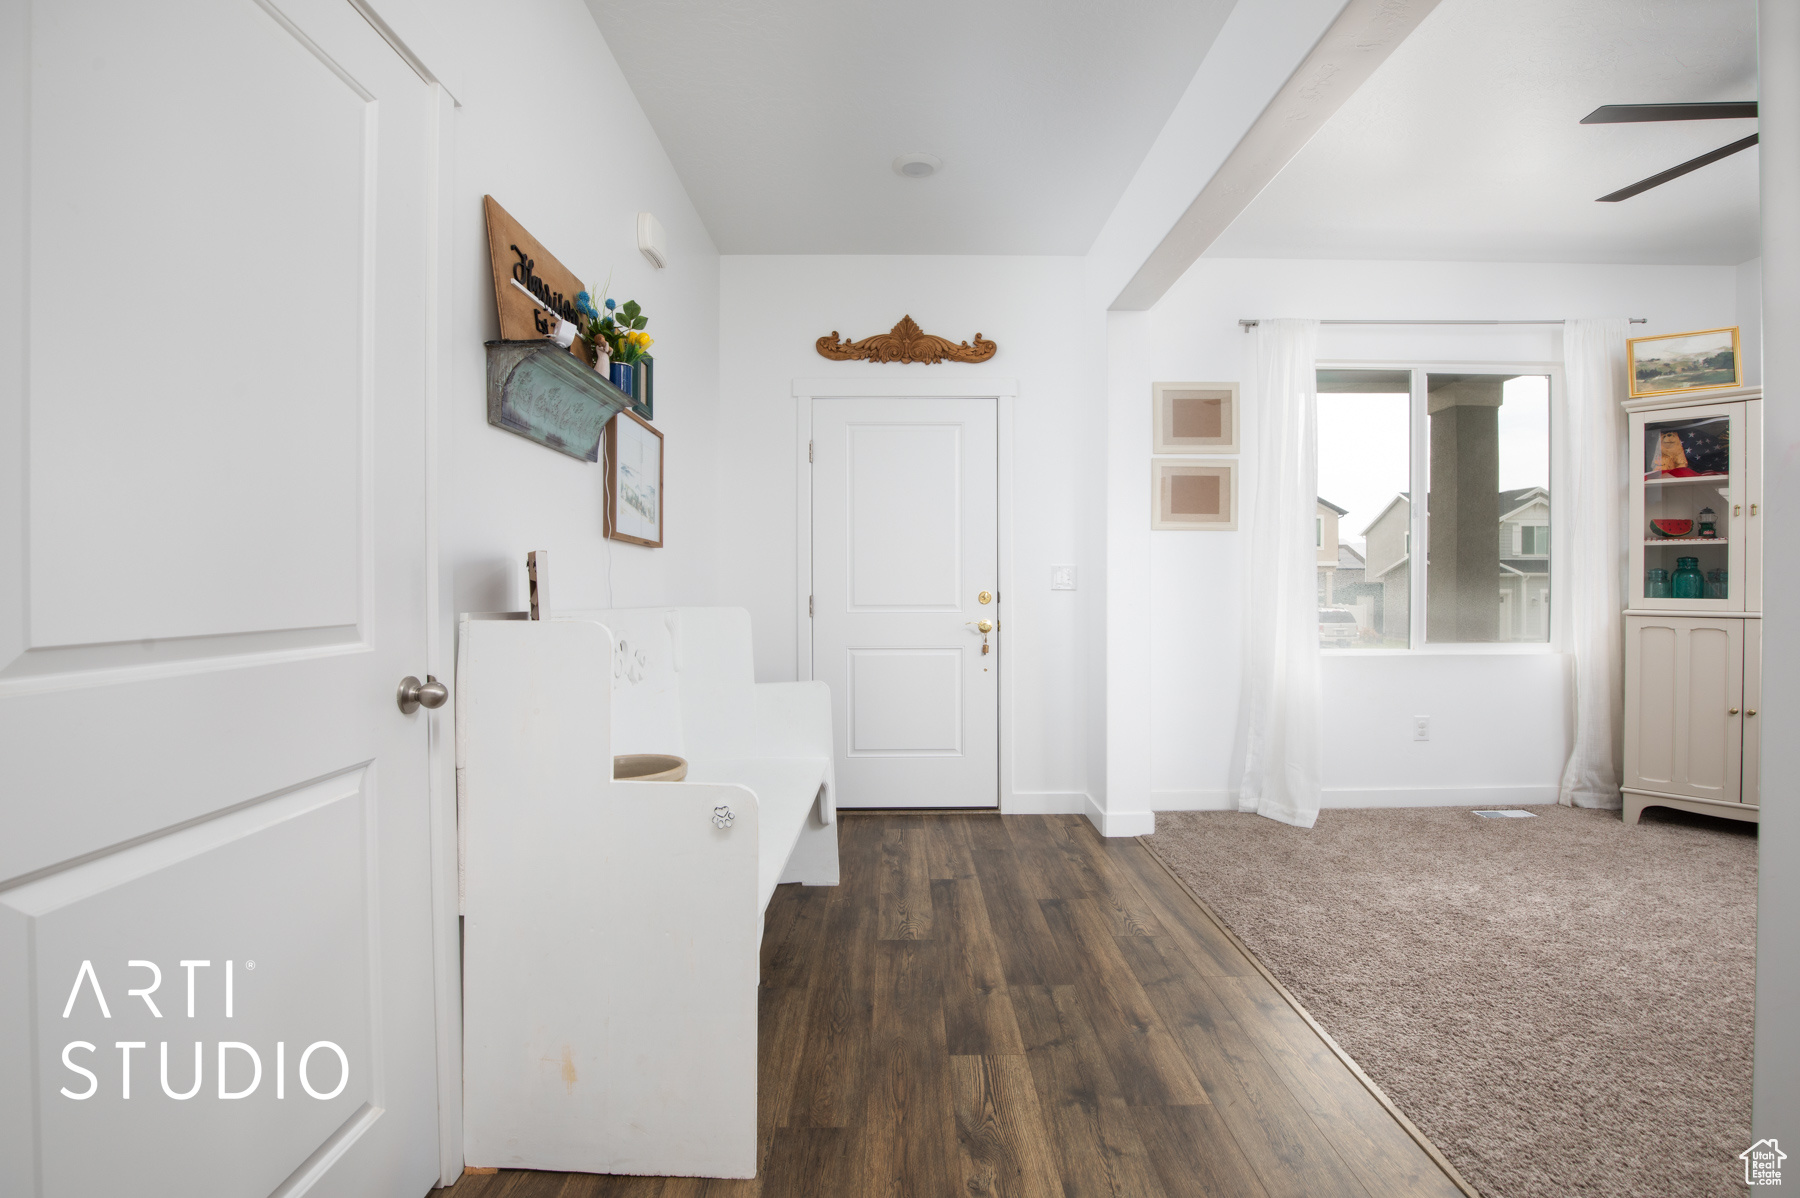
[
  {"x": 1708, "y": 110},
  {"x": 1675, "y": 172}
]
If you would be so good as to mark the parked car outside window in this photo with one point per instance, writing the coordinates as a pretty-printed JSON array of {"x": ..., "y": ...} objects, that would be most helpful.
[{"x": 1337, "y": 626}]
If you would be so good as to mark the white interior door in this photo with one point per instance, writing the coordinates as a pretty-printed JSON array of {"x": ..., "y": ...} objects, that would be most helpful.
[
  {"x": 212, "y": 547},
  {"x": 904, "y": 545}
]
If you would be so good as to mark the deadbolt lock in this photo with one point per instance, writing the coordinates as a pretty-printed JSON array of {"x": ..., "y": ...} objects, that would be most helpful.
[{"x": 986, "y": 597}]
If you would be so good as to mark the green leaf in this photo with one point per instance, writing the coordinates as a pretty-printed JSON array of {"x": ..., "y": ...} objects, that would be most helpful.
[{"x": 640, "y": 322}]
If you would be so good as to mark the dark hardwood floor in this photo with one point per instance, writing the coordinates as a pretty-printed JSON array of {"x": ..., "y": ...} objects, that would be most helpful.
[{"x": 1017, "y": 1007}]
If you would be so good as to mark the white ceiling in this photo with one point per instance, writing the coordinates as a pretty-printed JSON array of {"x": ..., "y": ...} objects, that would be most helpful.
[
  {"x": 783, "y": 117},
  {"x": 1465, "y": 144}
]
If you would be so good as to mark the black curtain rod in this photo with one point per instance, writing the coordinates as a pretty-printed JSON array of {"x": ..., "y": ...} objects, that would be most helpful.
[{"x": 1250, "y": 324}]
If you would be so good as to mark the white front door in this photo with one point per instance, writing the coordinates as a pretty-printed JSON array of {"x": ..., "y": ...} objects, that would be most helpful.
[
  {"x": 904, "y": 547},
  {"x": 214, "y": 844}
]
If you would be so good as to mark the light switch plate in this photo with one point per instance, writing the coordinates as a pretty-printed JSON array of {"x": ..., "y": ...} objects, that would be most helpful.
[{"x": 1062, "y": 578}]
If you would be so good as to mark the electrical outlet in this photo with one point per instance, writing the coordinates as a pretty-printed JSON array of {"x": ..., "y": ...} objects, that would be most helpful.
[
  {"x": 1421, "y": 727},
  {"x": 1062, "y": 578}
]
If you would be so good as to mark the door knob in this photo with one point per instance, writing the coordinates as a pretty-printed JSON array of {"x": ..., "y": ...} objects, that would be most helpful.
[
  {"x": 414, "y": 694},
  {"x": 1749, "y": 711},
  {"x": 984, "y": 626},
  {"x": 1733, "y": 711}
]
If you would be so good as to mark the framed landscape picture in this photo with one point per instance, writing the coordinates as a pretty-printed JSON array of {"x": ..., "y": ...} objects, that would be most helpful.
[
  {"x": 634, "y": 481},
  {"x": 1677, "y": 363}
]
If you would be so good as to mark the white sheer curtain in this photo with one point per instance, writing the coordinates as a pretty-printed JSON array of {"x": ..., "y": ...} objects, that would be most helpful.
[
  {"x": 1592, "y": 555},
  {"x": 1279, "y": 729}
]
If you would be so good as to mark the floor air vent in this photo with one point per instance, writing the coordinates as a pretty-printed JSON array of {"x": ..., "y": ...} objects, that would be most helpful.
[{"x": 1505, "y": 815}]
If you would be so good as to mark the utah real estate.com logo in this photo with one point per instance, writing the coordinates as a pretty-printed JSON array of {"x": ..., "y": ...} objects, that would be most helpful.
[
  {"x": 1762, "y": 1163},
  {"x": 241, "y": 1060}
]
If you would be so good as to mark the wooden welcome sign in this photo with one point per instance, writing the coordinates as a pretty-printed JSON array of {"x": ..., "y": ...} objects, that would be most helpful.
[{"x": 518, "y": 256}]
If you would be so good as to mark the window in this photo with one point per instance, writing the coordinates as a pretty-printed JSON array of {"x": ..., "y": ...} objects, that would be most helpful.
[
  {"x": 1318, "y": 532},
  {"x": 1476, "y": 444}
]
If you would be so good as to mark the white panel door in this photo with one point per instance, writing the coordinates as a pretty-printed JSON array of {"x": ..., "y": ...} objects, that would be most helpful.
[
  {"x": 904, "y": 543},
  {"x": 212, "y": 551}
]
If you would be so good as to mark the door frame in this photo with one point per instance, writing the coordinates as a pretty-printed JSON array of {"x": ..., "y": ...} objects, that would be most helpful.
[
  {"x": 1004, "y": 393},
  {"x": 407, "y": 27}
]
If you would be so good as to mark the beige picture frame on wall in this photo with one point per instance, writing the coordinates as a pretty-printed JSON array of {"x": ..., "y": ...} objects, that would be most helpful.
[
  {"x": 1194, "y": 417},
  {"x": 1193, "y": 496}
]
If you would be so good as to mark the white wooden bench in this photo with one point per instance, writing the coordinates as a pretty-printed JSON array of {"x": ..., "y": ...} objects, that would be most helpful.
[{"x": 612, "y": 929}]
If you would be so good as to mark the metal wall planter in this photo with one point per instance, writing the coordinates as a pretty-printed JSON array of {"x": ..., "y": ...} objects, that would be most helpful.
[{"x": 550, "y": 396}]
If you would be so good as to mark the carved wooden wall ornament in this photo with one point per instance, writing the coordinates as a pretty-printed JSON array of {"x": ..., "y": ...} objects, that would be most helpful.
[{"x": 906, "y": 343}]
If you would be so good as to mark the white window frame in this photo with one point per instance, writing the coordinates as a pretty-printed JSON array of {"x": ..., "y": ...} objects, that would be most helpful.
[{"x": 1419, "y": 461}]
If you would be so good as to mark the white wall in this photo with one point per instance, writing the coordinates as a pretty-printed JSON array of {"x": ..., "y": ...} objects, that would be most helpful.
[
  {"x": 773, "y": 309},
  {"x": 1498, "y": 721},
  {"x": 1749, "y": 316},
  {"x": 1776, "y": 1109},
  {"x": 548, "y": 127}
]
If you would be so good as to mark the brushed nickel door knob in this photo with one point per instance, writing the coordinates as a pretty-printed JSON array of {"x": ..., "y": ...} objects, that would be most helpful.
[{"x": 413, "y": 694}]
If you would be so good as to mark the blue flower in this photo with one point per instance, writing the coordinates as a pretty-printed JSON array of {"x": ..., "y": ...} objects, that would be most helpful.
[
  {"x": 610, "y": 305},
  {"x": 585, "y": 305}
]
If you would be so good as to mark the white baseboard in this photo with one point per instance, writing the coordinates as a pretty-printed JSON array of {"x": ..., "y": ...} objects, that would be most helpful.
[
  {"x": 1120, "y": 823},
  {"x": 1045, "y": 802},
  {"x": 1372, "y": 796}
]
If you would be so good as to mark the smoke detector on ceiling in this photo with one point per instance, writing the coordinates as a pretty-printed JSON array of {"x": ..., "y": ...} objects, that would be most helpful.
[{"x": 917, "y": 166}]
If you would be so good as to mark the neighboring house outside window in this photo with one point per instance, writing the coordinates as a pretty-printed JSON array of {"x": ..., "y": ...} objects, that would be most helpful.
[
  {"x": 1387, "y": 565},
  {"x": 1524, "y": 575},
  {"x": 1524, "y": 564},
  {"x": 1325, "y": 542}
]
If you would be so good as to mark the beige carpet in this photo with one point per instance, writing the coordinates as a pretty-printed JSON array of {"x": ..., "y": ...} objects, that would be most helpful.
[{"x": 1562, "y": 1004}]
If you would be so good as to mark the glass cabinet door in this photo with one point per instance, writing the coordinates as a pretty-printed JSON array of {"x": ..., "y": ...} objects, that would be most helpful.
[{"x": 1687, "y": 485}]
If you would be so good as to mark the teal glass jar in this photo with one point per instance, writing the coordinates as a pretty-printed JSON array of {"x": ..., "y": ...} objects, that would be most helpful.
[
  {"x": 1688, "y": 582},
  {"x": 1656, "y": 584}
]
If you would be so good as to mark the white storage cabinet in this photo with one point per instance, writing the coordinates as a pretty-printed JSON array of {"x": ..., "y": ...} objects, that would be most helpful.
[{"x": 1693, "y": 665}]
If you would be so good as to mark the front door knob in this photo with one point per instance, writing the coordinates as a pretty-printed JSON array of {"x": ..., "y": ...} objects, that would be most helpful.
[{"x": 414, "y": 694}]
